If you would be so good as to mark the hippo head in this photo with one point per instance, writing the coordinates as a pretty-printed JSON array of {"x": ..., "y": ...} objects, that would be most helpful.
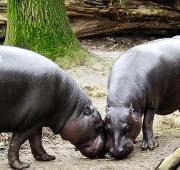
[
  {"x": 122, "y": 127},
  {"x": 86, "y": 132}
]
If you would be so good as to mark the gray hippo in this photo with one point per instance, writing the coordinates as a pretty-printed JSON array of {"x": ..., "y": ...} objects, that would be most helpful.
[
  {"x": 36, "y": 93},
  {"x": 144, "y": 81}
]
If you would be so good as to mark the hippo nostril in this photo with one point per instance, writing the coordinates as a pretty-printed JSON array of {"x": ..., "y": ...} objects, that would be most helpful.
[
  {"x": 111, "y": 150},
  {"x": 121, "y": 151},
  {"x": 76, "y": 149}
]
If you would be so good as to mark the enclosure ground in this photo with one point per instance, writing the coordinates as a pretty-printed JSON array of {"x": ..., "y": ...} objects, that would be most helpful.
[{"x": 93, "y": 79}]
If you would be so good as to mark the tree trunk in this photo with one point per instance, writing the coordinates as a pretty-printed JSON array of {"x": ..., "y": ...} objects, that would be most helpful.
[
  {"x": 42, "y": 26},
  {"x": 3, "y": 19}
]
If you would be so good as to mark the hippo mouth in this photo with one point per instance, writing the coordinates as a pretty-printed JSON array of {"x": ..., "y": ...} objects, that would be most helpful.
[
  {"x": 121, "y": 155},
  {"x": 93, "y": 153},
  {"x": 123, "y": 150},
  {"x": 89, "y": 152},
  {"x": 96, "y": 150}
]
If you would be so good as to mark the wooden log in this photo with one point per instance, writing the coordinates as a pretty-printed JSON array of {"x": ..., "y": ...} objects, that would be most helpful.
[
  {"x": 171, "y": 162},
  {"x": 138, "y": 18},
  {"x": 108, "y": 17}
]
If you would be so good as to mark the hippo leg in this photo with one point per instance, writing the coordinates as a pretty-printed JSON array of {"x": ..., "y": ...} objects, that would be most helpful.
[
  {"x": 13, "y": 153},
  {"x": 149, "y": 141},
  {"x": 37, "y": 149}
]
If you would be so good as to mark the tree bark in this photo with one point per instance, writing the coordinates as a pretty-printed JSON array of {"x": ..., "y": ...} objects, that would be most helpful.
[
  {"x": 171, "y": 162},
  {"x": 141, "y": 17},
  {"x": 41, "y": 26},
  {"x": 3, "y": 19}
]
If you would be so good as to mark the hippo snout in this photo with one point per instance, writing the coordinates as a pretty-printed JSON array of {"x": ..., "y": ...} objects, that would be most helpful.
[
  {"x": 121, "y": 152},
  {"x": 95, "y": 149}
]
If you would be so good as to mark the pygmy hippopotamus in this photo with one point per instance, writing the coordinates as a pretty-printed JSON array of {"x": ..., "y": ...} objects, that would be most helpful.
[
  {"x": 36, "y": 93},
  {"x": 145, "y": 80}
]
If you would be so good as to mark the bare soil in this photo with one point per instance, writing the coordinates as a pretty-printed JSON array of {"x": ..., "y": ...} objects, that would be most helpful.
[{"x": 93, "y": 79}]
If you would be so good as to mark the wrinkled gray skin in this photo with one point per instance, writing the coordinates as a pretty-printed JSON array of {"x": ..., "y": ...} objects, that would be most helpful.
[
  {"x": 36, "y": 93},
  {"x": 145, "y": 80}
]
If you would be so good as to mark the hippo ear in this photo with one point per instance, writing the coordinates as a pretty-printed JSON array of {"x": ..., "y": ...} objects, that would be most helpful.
[
  {"x": 87, "y": 110},
  {"x": 108, "y": 116},
  {"x": 107, "y": 108},
  {"x": 131, "y": 109}
]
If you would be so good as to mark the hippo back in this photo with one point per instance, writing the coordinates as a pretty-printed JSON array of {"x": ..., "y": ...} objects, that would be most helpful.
[
  {"x": 31, "y": 89},
  {"x": 145, "y": 72}
]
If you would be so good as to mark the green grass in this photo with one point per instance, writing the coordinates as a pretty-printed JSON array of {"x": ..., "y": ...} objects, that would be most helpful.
[{"x": 73, "y": 58}]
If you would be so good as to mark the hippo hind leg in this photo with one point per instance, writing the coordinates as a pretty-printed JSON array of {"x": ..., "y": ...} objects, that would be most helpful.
[
  {"x": 149, "y": 142},
  {"x": 37, "y": 149},
  {"x": 13, "y": 153}
]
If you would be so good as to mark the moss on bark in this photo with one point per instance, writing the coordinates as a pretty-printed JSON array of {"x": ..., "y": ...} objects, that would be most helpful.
[{"x": 43, "y": 26}]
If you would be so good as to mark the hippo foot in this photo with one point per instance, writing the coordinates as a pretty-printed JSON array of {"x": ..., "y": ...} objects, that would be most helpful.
[
  {"x": 44, "y": 157},
  {"x": 19, "y": 165},
  {"x": 149, "y": 144}
]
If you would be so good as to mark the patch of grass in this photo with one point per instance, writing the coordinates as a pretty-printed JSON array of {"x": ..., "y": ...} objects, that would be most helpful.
[
  {"x": 73, "y": 58},
  {"x": 93, "y": 91},
  {"x": 168, "y": 122}
]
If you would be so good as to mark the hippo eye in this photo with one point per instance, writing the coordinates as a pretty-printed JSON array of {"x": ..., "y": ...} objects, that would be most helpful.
[
  {"x": 108, "y": 129},
  {"x": 127, "y": 128},
  {"x": 88, "y": 111},
  {"x": 99, "y": 127}
]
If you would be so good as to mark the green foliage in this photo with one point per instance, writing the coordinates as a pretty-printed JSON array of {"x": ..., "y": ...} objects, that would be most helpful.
[
  {"x": 73, "y": 58},
  {"x": 123, "y": 4}
]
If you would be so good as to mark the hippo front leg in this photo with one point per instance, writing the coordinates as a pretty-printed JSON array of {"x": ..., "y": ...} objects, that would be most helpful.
[
  {"x": 13, "y": 153},
  {"x": 37, "y": 149},
  {"x": 149, "y": 141}
]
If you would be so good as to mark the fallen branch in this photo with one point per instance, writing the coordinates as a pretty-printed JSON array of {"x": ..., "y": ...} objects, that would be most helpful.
[
  {"x": 90, "y": 18},
  {"x": 171, "y": 162}
]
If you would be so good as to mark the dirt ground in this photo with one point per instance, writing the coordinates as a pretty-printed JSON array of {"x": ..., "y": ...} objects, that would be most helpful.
[{"x": 93, "y": 79}]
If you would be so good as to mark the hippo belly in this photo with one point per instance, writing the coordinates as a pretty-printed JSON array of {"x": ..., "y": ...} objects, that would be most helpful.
[
  {"x": 23, "y": 103},
  {"x": 163, "y": 83},
  {"x": 170, "y": 102}
]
